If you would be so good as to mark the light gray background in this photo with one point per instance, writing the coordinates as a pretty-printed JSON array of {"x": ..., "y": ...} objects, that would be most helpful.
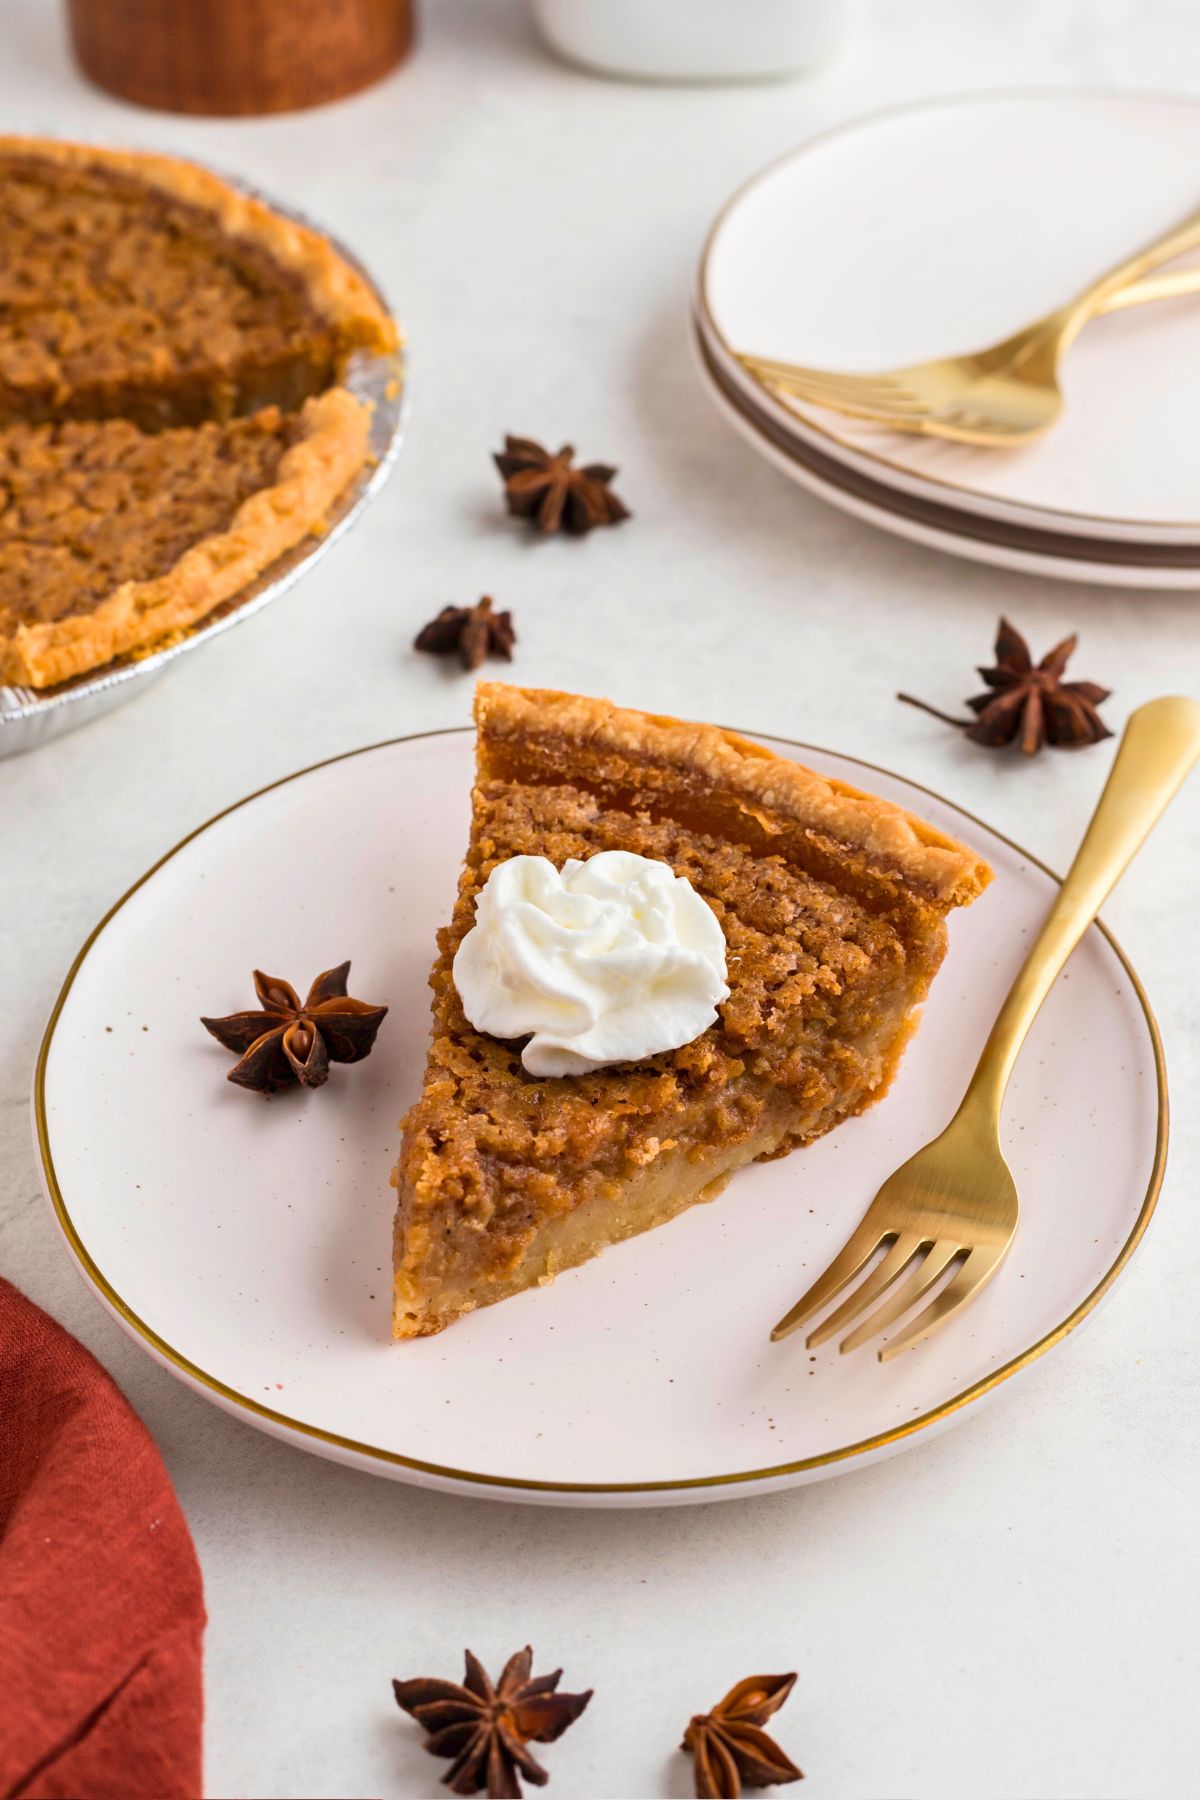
[{"x": 1008, "y": 1611}]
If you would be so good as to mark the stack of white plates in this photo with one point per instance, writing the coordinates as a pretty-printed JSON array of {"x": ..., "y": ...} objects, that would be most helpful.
[{"x": 943, "y": 228}]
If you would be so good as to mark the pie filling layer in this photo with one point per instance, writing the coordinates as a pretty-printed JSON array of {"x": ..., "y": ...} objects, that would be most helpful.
[{"x": 504, "y": 1177}]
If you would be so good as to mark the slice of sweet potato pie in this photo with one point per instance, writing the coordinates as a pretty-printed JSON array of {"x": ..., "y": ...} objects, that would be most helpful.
[{"x": 602, "y": 1057}]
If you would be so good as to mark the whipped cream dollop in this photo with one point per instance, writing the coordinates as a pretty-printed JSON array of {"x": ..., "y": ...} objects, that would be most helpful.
[{"x": 605, "y": 961}]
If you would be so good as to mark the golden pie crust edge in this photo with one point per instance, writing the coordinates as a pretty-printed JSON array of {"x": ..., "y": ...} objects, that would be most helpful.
[
  {"x": 338, "y": 291},
  {"x": 312, "y": 472},
  {"x": 768, "y": 785}
]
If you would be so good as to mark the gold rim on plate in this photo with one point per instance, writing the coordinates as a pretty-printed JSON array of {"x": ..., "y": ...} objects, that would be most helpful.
[
  {"x": 233, "y": 1401},
  {"x": 817, "y": 142}
]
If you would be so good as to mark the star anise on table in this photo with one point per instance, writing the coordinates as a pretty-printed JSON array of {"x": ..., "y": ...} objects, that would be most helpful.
[
  {"x": 729, "y": 1745},
  {"x": 549, "y": 491},
  {"x": 487, "y": 1729},
  {"x": 289, "y": 1040},
  {"x": 473, "y": 631},
  {"x": 1027, "y": 705}
]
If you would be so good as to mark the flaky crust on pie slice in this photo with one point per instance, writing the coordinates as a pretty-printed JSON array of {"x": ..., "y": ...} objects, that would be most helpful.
[
  {"x": 329, "y": 449},
  {"x": 833, "y": 905}
]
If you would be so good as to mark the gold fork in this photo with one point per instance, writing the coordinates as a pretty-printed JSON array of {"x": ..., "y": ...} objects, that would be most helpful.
[
  {"x": 1004, "y": 394},
  {"x": 955, "y": 1201}
]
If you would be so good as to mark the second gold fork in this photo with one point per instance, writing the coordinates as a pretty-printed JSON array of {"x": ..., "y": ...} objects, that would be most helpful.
[{"x": 1000, "y": 396}]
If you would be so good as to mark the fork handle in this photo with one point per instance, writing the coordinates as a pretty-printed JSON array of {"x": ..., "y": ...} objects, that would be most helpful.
[
  {"x": 1090, "y": 300},
  {"x": 1171, "y": 286},
  {"x": 1158, "y": 750}
]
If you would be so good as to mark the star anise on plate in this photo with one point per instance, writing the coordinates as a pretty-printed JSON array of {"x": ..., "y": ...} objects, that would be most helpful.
[
  {"x": 473, "y": 631},
  {"x": 1027, "y": 705},
  {"x": 549, "y": 491},
  {"x": 729, "y": 1745},
  {"x": 487, "y": 1729},
  {"x": 290, "y": 1040}
]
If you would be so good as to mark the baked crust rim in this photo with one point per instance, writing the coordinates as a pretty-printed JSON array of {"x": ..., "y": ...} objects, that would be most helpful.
[
  {"x": 930, "y": 861},
  {"x": 312, "y": 472}
]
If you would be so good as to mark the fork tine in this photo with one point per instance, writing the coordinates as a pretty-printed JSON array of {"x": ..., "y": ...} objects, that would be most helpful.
[
  {"x": 884, "y": 408},
  {"x": 979, "y": 1267},
  {"x": 842, "y": 1270},
  {"x": 907, "y": 1294},
  {"x": 860, "y": 391},
  {"x": 868, "y": 1291},
  {"x": 883, "y": 382}
]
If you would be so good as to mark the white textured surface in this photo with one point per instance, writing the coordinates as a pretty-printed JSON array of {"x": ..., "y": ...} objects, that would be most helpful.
[{"x": 1010, "y": 1610}]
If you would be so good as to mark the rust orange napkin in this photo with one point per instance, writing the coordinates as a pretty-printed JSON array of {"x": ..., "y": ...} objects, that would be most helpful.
[{"x": 101, "y": 1604}]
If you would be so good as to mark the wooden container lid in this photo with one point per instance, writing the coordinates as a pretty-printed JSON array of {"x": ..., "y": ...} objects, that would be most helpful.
[{"x": 238, "y": 56}]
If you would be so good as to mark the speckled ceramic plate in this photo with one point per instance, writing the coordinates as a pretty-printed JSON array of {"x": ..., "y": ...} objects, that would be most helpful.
[
  {"x": 245, "y": 1243},
  {"x": 32, "y": 716}
]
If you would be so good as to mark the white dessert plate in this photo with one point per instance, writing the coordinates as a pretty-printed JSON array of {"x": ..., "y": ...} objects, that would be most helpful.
[
  {"x": 1025, "y": 550},
  {"x": 945, "y": 226},
  {"x": 245, "y": 1242}
]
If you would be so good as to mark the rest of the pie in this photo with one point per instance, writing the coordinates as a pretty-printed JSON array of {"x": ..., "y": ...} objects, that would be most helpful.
[
  {"x": 170, "y": 414},
  {"x": 833, "y": 905}
]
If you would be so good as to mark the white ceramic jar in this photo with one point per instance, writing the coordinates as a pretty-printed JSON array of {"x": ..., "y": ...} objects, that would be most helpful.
[{"x": 693, "y": 40}]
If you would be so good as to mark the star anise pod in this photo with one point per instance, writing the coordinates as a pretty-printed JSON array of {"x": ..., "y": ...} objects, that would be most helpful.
[
  {"x": 552, "y": 493},
  {"x": 729, "y": 1745},
  {"x": 1030, "y": 706},
  {"x": 474, "y": 631},
  {"x": 486, "y": 1729},
  {"x": 290, "y": 1041}
]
